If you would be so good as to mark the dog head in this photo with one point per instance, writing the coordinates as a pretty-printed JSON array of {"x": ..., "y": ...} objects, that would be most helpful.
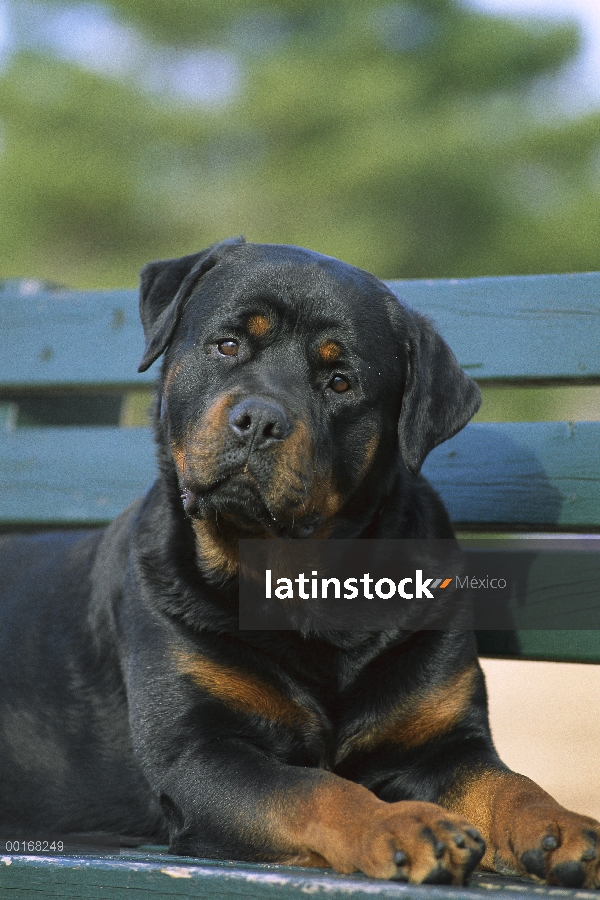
[{"x": 290, "y": 380}]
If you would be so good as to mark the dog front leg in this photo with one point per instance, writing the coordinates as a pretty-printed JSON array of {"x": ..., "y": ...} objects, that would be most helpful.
[
  {"x": 235, "y": 802},
  {"x": 527, "y": 832}
]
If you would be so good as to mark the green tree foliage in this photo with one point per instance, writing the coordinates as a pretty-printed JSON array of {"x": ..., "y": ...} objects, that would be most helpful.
[{"x": 401, "y": 137}]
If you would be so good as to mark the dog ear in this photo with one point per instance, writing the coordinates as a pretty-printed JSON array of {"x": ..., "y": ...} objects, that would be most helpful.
[
  {"x": 165, "y": 285},
  {"x": 439, "y": 399}
]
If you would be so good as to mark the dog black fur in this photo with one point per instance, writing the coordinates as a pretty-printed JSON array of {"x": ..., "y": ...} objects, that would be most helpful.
[{"x": 297, "y": 398}]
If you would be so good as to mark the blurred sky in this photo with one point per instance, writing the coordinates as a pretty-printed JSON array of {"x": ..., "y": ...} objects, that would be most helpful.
[
  {"x": 580, "y": 87},
  {"x": 91, "y": 35}
]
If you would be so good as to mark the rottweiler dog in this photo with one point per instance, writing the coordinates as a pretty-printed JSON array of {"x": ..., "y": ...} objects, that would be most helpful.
[{"x": 298, "y": 399}]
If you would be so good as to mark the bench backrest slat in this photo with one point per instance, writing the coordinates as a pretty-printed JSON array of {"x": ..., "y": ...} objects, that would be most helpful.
[
  {"x": 543, "y": 474},
  {"x": 521, "y": 328},
  {"x": 72, "y": 476},
  {"x": 535, "y": 328},
  {"x": 521, "y": 475},
  {"x": 63, "y": 338}
]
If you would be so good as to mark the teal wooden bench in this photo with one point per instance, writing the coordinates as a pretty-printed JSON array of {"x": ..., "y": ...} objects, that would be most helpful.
[{"x": 74, "y": 451}]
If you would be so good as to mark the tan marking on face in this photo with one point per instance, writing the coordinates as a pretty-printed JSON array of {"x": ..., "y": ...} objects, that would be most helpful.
[
  {"x": 258, "y": 326},
  {"x": 291, "y": 471},
  {"x": 217, "y": 545},
  {"x": 214, "y": 417},
  {"x": 178, "y": 454},
  {"x": 329, "y": 352},
  {"x": 370, "y": 451},
  {"x": 217, "y": 552},
  {"x": 324, "y": 496},
  {"x": 171, "y": 375},
  {"x": 204, "y": 444},
  {"x": 242, "y": 691},
  {"x": 178, "y": 451},
  {"x": 422, "y": 718}
]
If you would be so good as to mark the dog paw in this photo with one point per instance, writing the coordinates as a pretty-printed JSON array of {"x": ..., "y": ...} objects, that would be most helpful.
[
  {"x": 552, "y": 845},
  {"x": 420, "y": 843}
]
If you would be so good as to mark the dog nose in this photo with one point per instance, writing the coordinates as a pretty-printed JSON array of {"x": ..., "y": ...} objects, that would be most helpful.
[{"x": 259, "y": 422}]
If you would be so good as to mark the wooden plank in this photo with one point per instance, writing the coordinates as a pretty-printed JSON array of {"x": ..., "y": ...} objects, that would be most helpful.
[
  {"x": 538, "y": 327},
  {"x": 72, "y": 475},
  {"x": 570, "y": 645},
  {"x": 520, "y": 473},
  {"x": 69, "y": 338},
  {"x": 505, "y": 474},
  {"x": 25, "y": 878},
  {"x": 512, "y": 328}
]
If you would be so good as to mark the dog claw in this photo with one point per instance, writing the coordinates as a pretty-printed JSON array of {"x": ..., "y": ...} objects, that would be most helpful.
[
  {"x": 438, "y": 875},
  {"x": 438, "y": 849},
  {"x": 400, "y": 876},
  {"x": 474, "y": 834},
  {"x": 569, "y": 874}
]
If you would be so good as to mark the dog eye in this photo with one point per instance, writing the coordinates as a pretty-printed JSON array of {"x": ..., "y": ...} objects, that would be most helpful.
[
  {"x": 228, "y": 348},
  {"x": 339, "y": 384}
]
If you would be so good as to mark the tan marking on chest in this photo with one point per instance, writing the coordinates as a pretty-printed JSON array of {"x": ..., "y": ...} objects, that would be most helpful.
[
  {"x": 423, "y": 718},
  {"x": 241, "y": 691}
]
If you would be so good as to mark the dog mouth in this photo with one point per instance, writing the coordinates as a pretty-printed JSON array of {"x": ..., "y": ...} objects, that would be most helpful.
[{"x": 239, "y": 501}]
